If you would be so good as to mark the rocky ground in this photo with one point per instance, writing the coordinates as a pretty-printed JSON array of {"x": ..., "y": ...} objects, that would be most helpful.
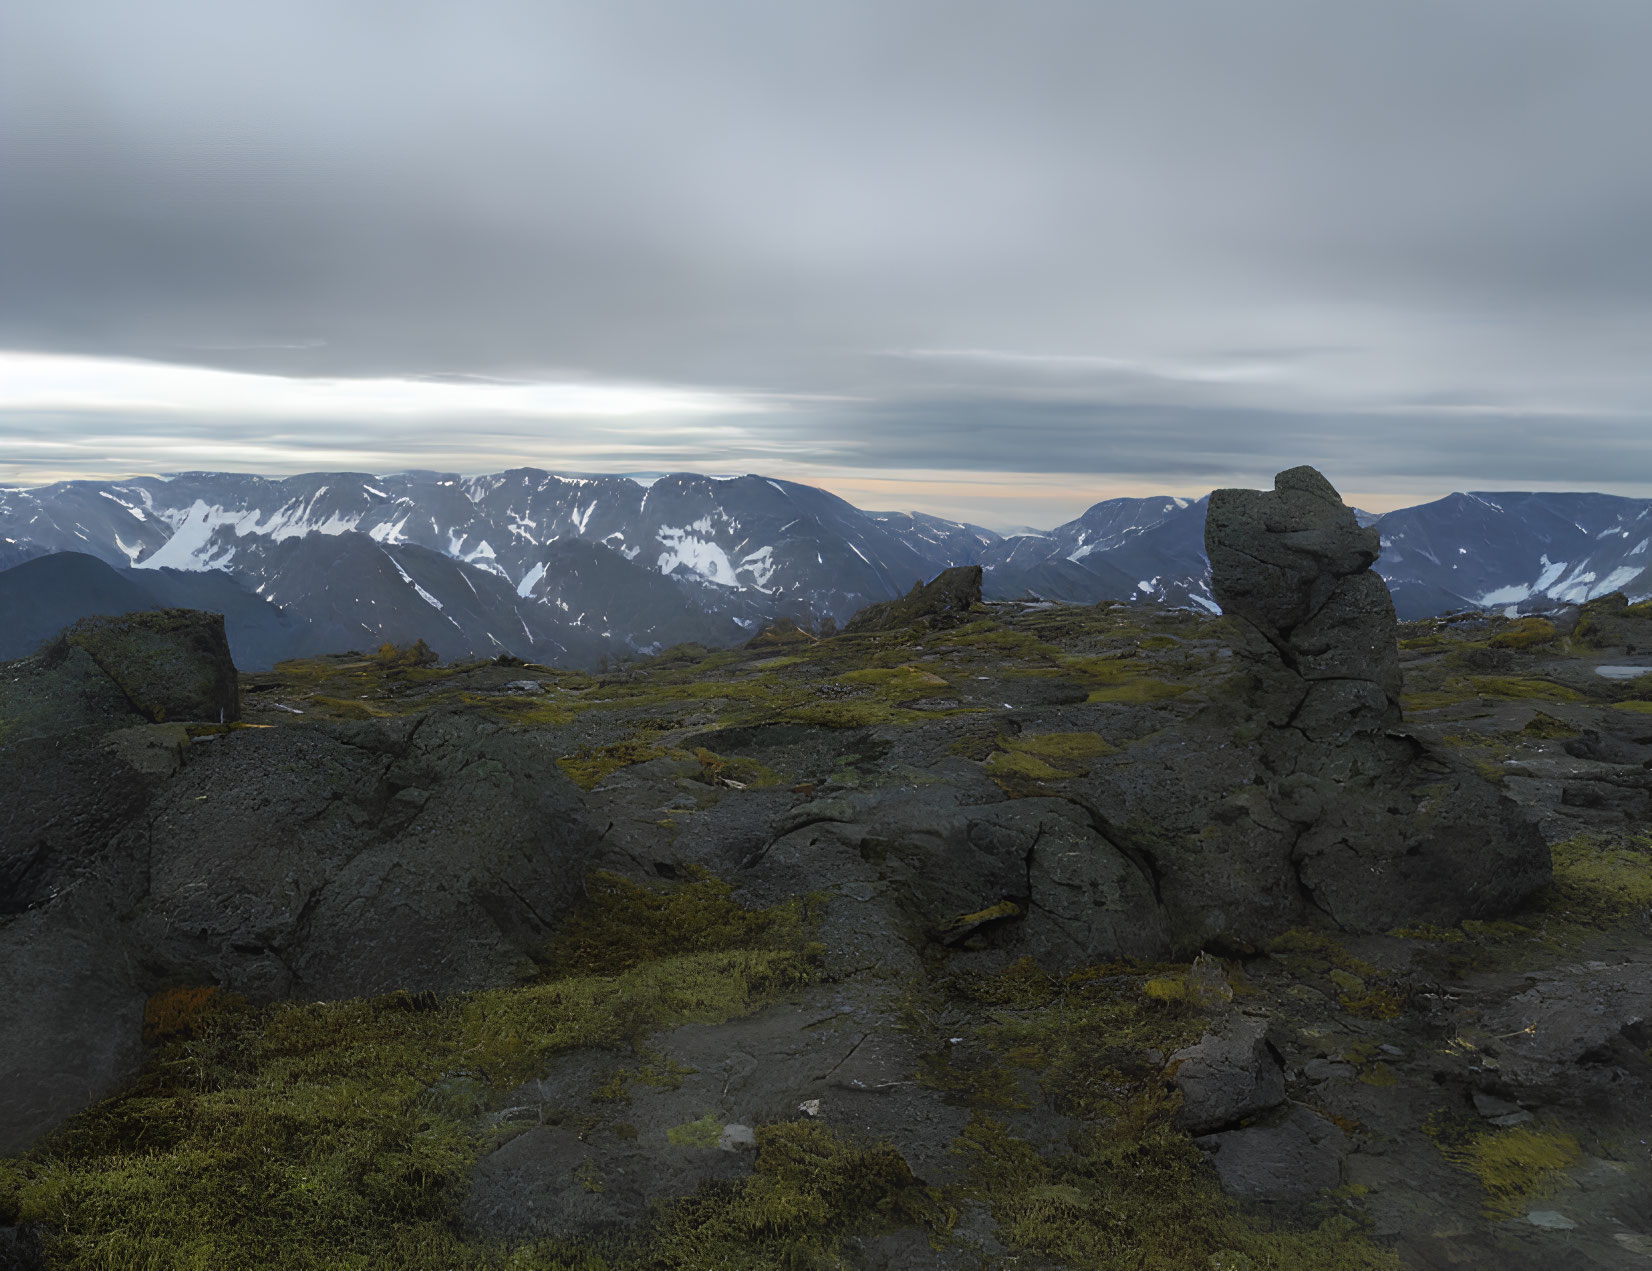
[{"x": 954, "y": 944}]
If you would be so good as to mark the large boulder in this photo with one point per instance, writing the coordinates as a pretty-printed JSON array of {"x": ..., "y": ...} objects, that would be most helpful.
[
  {"x": 427, "y": 853},
  {"x": 947, "y": 600},
  {"x": 170, "y": 663},
  {"x": 431, "y": 853}
]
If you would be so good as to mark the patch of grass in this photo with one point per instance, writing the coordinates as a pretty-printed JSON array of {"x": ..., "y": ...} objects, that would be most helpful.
[
  {"x": 1599, "y": 881},
  {"x": 339, "y": 1134},
  {"x": 1525, "y": 633},
  {"x": 1121, "y": 679},
  {"x": 628, "y": 925},
  {"x": 1545, "y": 727},
  {"x": 707, "y": 1132},
  {"x": 1636, "y": 707},
  {"x": 1523, "y": 687},
  {"x": 1010, "y": 765},
  {"x": 1515, "y": 1166},
  {"x": 1363, "y": 988},
  {"x": 1138, "y": 1194},
  {"x": 588, "y": 766},
  {"x": 809, "y": 1187}
]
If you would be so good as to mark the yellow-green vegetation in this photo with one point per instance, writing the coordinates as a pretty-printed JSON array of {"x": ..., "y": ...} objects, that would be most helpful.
[
  {"x": 1635, "y": 706},
  {"x": 1138, "y": 1194},
  {"x": 1362, "y": 987},
  {"x": 1515, "y": 1166},
  {"x": 898, "y": 683},
  {"x": 706, "y": 1132},
  {"x": 339, "y": 1134},
  {"x": 1599, "y": 881},
  {"x": 627, "y": 925},
  {"x": 1046, "y": 756},
  {"x": 808, "y": 1188},
  {"x": 394, "y": 657},
  {"x": 1132, "y": 1191},
  {"x": 1545, "y": 727},
  {"x": 1525, "y": 633},
  {"x": 587, "y": 766},
  {"x": 1121, "y": 679},
  {"x": 1459, "y": 689}
]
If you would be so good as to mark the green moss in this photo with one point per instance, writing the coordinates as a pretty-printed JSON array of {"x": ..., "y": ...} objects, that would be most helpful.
[
  {"x": 1138, "y": 1194},
  {"x": 1121, "y": 679},
  {"x": 1545, "y": 727},
  {"x": 339, "y": 1134},
  {"x": 1363, "y": 988},
  {"x": 852, "y": 714},
  {"x": 1599, "y": 881},
  {"x": 1428, "y": 931},
  {"x": 1456, "y": 690},
  {"x": 707, "y": 1132},
  {"x": 628, "y": 925},
  {"x": 809, "y": 1188},
  {"x": 1525, "y": 633},
  {"x": 1489, "y": 770},
  {"x": 898, "y": 683},
  {"x": 1514, "y": 1166},
  {"x": 588, "y": 766},
  {"x": 1010, "y": 765},
  {"x": 1140, "y": 690},
  {"x": 1635, "y": 707},
  {"x": 1523, "y": 686}
]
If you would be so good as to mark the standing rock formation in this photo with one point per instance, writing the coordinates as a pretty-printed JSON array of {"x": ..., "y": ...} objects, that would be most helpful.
[
  {"x": 1384, "y": 832},
  {"x": 1296, "y": 564}
]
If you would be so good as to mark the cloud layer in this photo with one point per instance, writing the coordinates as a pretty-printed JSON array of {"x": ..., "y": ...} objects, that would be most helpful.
[{"x": 1180, "y": 243}]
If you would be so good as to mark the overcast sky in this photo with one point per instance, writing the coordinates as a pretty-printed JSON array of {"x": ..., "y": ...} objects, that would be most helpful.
[{"x": 996, "y": 260}]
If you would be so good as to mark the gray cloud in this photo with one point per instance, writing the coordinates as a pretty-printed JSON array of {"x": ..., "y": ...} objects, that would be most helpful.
[{"x": 1158, "y": 240}]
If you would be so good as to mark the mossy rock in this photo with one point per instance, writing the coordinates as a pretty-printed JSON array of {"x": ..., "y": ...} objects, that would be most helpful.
[{"x": 172, "y": 664}]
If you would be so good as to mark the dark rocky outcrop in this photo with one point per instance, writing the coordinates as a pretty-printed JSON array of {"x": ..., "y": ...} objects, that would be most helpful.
[
  {"x": 171, "y": 664},
  {"x": 945, "y": 601},
  {"x": 428, "y": 853}
]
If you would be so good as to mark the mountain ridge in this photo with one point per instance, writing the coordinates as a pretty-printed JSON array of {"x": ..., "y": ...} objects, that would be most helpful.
[{"x": 487, "y": 564}]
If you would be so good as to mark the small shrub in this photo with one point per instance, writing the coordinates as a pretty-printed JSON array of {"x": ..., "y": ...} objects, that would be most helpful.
[{"x": 394, "y": 657}]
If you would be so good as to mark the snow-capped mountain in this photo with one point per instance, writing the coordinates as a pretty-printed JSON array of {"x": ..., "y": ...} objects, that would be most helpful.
[
  {"x": 1121, "y": 549},
  {"x": 1527, "y": 551},
  {"x": 541, "y": 565},
  {"x": 568, "y": 569}
]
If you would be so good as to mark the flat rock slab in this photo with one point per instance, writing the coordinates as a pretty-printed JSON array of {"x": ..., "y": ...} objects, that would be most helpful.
[{"x": 1290, "y": 1162}]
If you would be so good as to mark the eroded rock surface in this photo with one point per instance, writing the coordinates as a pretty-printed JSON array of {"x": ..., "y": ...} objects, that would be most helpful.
[
  {"x": 430, "y": 853},
  {"x": 1380, "y": 831}
]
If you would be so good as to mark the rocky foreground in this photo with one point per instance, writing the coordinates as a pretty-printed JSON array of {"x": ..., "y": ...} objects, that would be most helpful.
[{"x": 978, "y": 936}]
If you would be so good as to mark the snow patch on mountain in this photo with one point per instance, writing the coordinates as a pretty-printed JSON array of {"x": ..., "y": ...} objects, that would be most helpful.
[
  {"x": 408, "y": 579},
  {"x": 135, "y": 511},
  {"x": 1550, "y": 574},
  {"x": 699, "y": 555},
  {"x": 1505, "y": 596},
  {"x": 190, "y": 546},
  {"x": 530, "y": 580},
  {"x": 760, "y": 565}
]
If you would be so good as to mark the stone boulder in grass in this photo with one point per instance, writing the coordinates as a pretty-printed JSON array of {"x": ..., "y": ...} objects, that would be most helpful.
[{"x": 950, "y": 599}]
